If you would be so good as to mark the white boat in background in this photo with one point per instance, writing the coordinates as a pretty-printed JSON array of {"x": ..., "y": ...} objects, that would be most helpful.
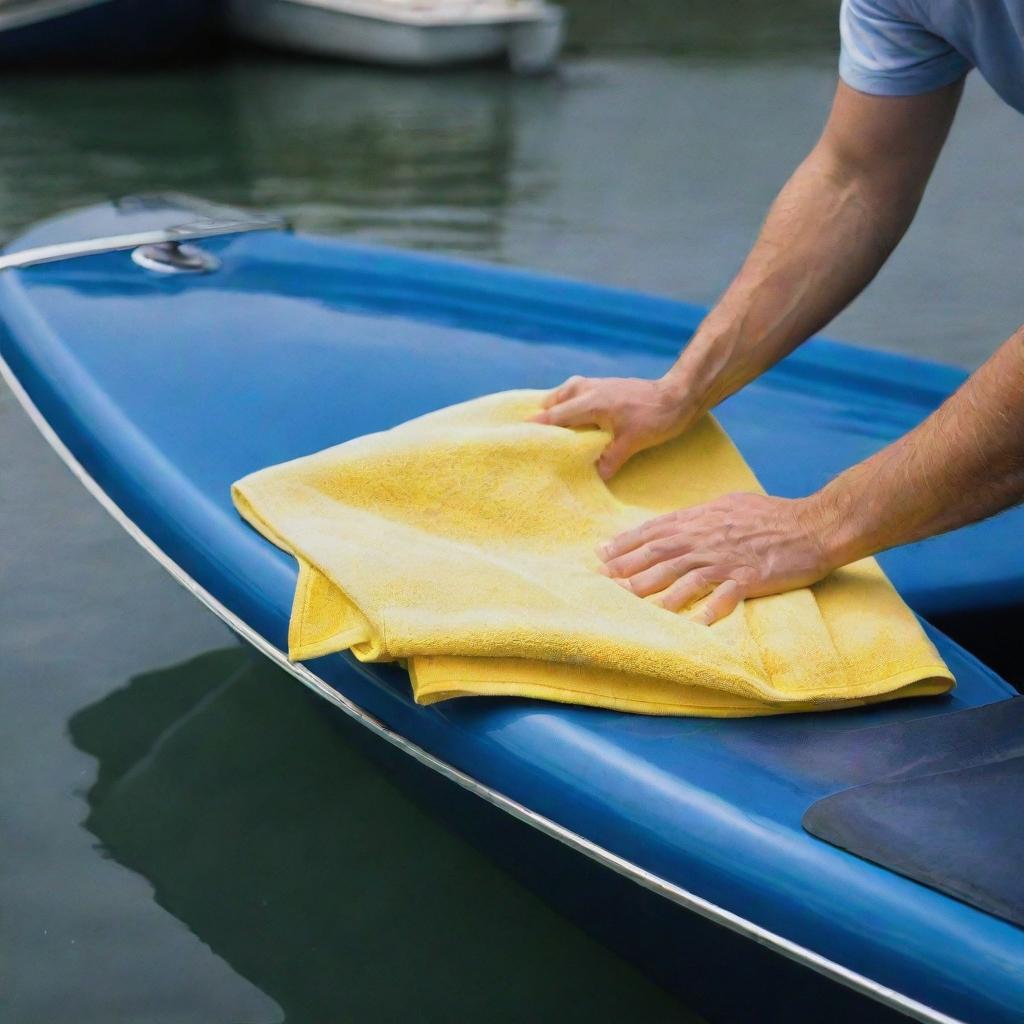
[{"x": 408, "y": 33}]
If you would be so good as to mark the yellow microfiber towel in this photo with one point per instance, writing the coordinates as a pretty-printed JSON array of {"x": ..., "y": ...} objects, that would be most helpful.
[{"x": 462, "y": 543}]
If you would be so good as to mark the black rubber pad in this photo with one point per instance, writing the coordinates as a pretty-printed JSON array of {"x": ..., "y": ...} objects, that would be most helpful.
[{"x": 946, "y": 810}]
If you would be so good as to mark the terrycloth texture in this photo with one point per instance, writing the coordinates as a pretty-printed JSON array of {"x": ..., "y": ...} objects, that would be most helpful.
[{"x": 462, "y": 543}]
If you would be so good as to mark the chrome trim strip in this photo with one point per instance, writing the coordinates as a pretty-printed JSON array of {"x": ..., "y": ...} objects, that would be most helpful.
[
  {"x": 116, "y": 243},
  {"x": 678, "y": 895}
]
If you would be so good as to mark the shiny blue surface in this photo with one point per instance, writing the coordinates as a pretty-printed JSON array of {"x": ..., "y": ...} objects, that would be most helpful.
[{"x": 169, "y": 388}]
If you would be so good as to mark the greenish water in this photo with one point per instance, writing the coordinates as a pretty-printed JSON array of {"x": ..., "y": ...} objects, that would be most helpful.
[{"x": 185, "y": 836}]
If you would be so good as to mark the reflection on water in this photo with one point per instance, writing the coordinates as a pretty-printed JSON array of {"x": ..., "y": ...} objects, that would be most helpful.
[
  {"x": 419, "y": 162},
  {"x": 300, "y": 865},
  {"x": 706, "y": 27}
]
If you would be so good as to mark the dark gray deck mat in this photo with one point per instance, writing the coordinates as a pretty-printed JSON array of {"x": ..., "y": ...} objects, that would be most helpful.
[{"x": 948, "y": 811}]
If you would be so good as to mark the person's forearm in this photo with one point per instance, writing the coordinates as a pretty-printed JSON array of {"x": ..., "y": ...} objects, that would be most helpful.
[
  {"x": 826, "y": 236},
  {"x": 962, "y": 464}
]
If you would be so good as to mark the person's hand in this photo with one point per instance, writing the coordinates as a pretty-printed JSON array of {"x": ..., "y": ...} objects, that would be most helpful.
[
  {"x": 638, "y": 413},
  {"x": 737, "y": 546}
]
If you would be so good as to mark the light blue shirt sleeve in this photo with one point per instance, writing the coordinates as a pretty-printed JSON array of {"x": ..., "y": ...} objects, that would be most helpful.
[{"x": 886, "y": 52}]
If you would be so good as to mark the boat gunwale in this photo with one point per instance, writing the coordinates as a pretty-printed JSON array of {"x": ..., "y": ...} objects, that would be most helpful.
[{"x": 622, "y": 866}]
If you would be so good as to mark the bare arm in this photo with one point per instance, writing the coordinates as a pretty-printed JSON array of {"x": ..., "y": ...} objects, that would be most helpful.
[
  {"x": 964, "y": 463},
  {"x": 827, "y": 234}
]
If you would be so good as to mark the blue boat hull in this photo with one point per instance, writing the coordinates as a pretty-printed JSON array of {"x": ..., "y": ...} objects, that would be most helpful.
[
  {"x": 111, "y": 32},
  {"x": 160, "y": 390}
]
